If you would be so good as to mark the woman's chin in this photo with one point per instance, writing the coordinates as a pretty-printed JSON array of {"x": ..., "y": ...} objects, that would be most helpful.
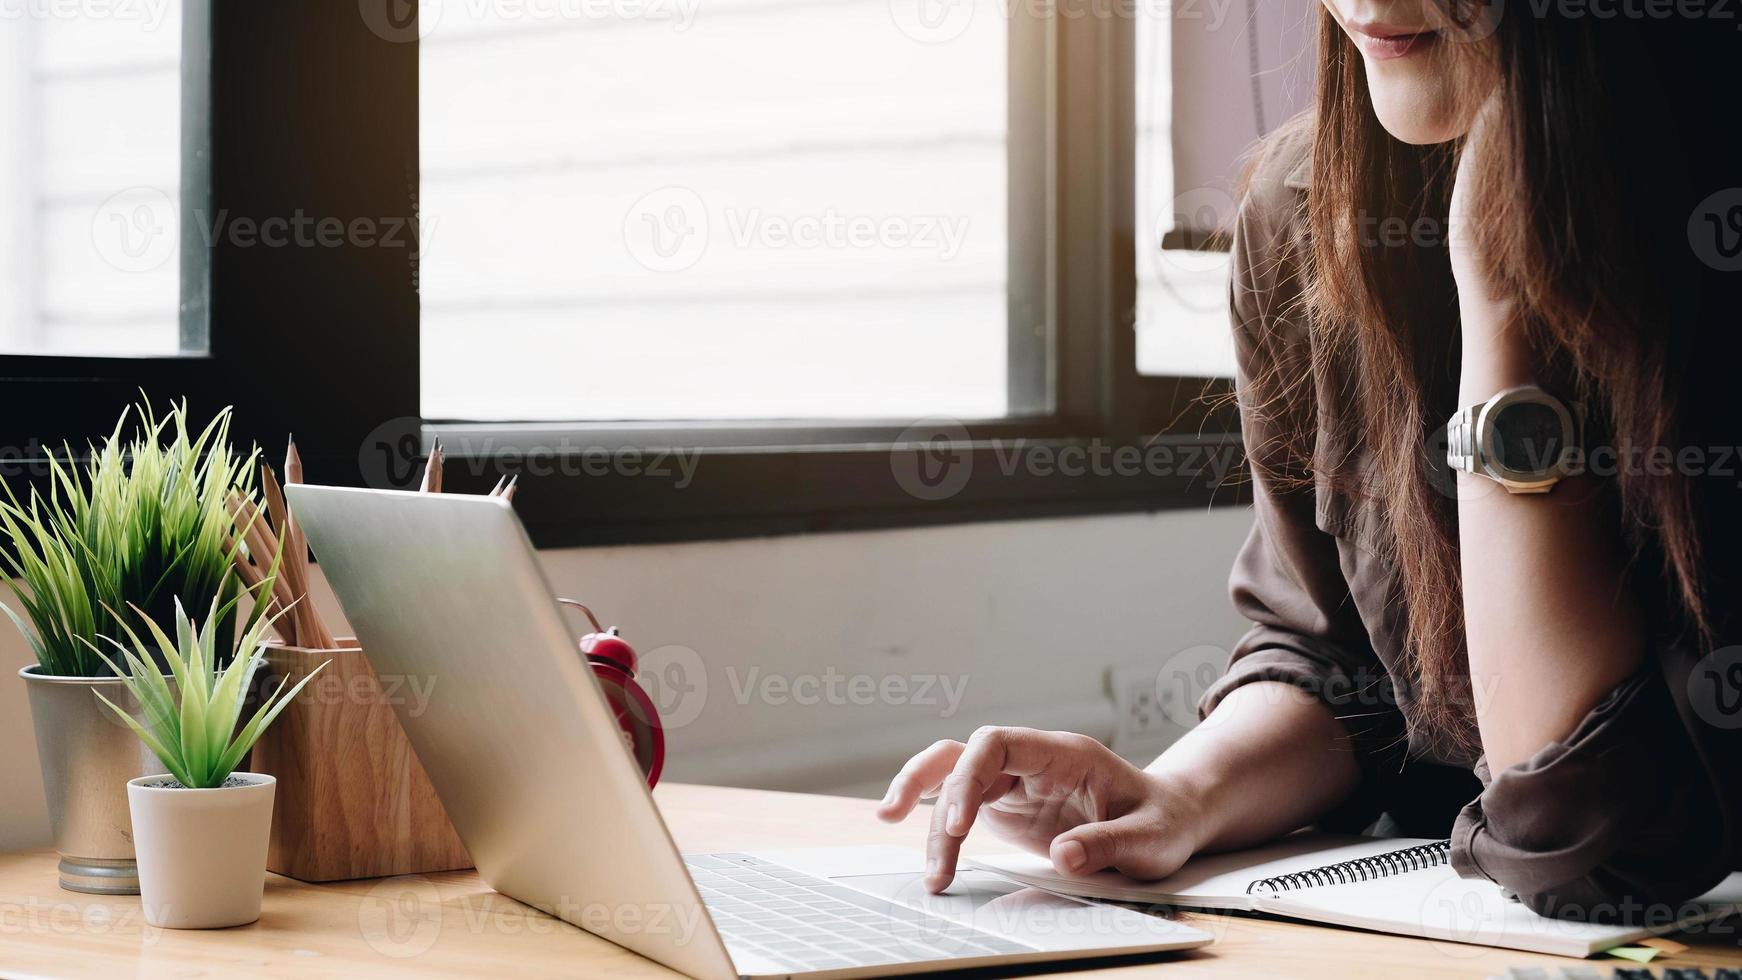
[{"x": 1412, "y": 111}]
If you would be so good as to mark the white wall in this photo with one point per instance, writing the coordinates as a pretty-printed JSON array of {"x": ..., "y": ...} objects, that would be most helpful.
[{"x": 1020, "y": 619}]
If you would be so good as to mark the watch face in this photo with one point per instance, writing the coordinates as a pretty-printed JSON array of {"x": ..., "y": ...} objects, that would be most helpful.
[{"x": 1528, "y": 437}]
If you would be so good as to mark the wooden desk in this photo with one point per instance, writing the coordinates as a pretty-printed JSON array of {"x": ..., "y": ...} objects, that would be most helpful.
[{"x": 452, "y": 925}]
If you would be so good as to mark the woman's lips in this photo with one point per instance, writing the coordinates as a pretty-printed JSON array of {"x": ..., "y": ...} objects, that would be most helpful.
[{"x": 1384, "y": 44}]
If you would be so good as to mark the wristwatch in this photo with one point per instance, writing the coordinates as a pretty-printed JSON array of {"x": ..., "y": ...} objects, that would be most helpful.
[{"x": 1524, "y": 438}]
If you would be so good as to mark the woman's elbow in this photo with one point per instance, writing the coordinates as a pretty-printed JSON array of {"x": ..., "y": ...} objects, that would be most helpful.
[
  {"x": 1647, "y": 875},
  {"x": 1603, "y": 896}
]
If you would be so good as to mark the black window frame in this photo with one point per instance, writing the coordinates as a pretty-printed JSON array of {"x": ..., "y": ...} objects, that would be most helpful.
[
  {"x": 307, "y": 109},
  {"x": 314, "y": 341}
]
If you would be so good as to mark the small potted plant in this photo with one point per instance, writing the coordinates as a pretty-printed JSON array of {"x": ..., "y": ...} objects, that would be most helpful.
[
  {"x": 200, "y": 830},
  {"x": 140, "y": 524}
]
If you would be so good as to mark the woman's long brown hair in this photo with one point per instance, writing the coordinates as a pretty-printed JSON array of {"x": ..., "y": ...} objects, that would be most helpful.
[{"x": 1586, "y": 229}]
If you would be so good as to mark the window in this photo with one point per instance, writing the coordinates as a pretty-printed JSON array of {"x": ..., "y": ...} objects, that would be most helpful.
[
  {"x": 745, "y": 210},
  {"x": 755, "y": 267},
  {"x": 219, "y": 124},
  {"x": 90, "y": 105},
  {"x": 1211, "y": 79},
  {"x": 1182, "y": 297}
]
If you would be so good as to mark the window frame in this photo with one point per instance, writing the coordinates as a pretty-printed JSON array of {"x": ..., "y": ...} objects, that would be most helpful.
[
  {"x": 271, "y": 126},
  {"x": 287, "y": 132}
]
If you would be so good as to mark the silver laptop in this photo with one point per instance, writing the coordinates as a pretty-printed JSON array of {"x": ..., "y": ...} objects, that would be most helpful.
[{"x": 525, "y": 755}]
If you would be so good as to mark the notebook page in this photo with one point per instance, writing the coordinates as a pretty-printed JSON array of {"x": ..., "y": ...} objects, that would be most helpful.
[
  {"x": 1434, "y": 903},
  {"x": 1216, "y": 881}
]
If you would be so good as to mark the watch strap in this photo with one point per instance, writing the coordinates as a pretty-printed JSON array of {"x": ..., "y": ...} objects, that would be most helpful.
[{"x": 1461, "y": 440}]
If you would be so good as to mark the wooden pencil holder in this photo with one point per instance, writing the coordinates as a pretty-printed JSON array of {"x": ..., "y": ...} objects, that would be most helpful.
[{"x": 352, "y": 800}]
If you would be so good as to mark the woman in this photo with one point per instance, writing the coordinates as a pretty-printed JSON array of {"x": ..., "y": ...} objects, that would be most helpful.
[{"x": 1478, "y": 204}]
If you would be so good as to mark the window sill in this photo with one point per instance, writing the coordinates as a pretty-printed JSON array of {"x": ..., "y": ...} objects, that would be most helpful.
[{"x": 594, "y": 486}]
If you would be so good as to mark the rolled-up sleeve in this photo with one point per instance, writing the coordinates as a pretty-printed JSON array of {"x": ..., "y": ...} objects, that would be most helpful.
[
  {"x": 1288, "y": 579},
  {"x": 1307, "y": 633},
  {"x": 1621, "y": 821}
]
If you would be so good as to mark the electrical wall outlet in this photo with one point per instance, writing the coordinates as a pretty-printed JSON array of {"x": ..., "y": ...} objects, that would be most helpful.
[
  {"x": 1154, "y": 703},
  {"x": 1143, "y": 720}
]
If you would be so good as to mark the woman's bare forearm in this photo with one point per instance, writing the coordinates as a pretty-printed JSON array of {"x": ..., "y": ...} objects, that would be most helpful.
[
  {"x": 1269, "y": 760},
  {"x": 1550, "y": 626}
]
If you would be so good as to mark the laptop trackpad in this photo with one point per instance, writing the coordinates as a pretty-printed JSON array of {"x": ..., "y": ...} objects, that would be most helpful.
[{"x": 997, "y": 905}]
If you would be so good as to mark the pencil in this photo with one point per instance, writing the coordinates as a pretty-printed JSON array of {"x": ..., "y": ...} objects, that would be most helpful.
[
  {"x": 292, "y": 463},
  {"x": 432, "y": 471},
  {"x": 274, "y": 495},
  {"x": 262, "y": 545}
]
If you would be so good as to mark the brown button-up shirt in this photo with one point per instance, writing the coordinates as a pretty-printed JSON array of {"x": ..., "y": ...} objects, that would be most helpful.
[{"x": 1638, "y": 807}]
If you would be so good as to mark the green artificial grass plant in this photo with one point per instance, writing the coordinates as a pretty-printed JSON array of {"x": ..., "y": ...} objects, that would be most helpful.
[
  {"x": 141, "y": 526},
  {"x": 192, "y": 729}
]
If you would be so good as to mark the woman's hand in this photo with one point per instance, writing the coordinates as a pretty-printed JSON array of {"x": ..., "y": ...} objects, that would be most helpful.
[
  {"x": 1464, "y": 222},
  {"x": 1496, "y": 354},
  {"x": 1055, "y": 793}
]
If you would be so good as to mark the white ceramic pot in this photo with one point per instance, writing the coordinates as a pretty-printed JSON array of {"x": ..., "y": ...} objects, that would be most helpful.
[{"x": 201, "y": 852}]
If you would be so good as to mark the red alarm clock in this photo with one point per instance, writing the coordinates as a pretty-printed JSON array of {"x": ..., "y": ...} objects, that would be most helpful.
[{"x": 613, "y": 662}]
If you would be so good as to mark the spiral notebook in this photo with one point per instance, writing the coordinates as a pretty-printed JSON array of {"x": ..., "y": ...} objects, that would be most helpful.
[{"x": 1403, "y": 886}]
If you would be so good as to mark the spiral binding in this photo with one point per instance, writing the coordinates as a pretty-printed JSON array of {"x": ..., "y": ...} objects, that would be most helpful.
[{"x": 1362, "y": 869}]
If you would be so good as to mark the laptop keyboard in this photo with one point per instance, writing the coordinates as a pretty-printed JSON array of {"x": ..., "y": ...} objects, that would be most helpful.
[{"x": 806, "y": 923}]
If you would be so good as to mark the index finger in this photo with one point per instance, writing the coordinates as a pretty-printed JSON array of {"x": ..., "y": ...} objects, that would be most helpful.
[{"x": 986, "y": 771}]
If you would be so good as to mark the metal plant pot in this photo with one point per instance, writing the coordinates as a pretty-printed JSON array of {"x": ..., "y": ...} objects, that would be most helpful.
[{"x": 87, "y": 757}]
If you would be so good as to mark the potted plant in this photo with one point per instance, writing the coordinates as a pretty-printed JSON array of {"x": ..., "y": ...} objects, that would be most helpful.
[
  {"x": 140, "y": 524},
  {"x": 200, "y": 831}
]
